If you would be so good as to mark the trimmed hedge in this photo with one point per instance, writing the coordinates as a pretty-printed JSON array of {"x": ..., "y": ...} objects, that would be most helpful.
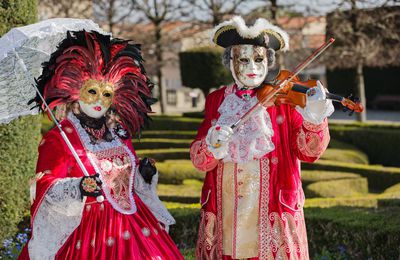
[
  {"x": 176, "y": 171},
  {"x": 337, "y": 188},
  {"x": 359, "y": 232},
  {"x": 161, "y": 143},
  {"x": 18, "y": 145},
  {"x": 165, "y": 154},
  {"x": 308, "y": 177},
  {"x": 348, "y": 156},
  {"x": 379, "y": 177},
  {"x": 174, "y": 123},
  {"x": 379, "y": 142},
  {"x": 19, "y": 139},
  {"x": 170, "y": 134},
  {"x": 202, "y": 68}
]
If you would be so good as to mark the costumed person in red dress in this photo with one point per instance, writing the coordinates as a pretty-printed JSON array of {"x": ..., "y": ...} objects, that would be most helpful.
[
  {"x": 252, "y": 198},
  {"x": 99, "y": 87}
]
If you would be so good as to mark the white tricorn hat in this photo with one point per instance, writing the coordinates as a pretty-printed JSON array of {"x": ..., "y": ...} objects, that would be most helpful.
[{"x": 262, "y": 33}]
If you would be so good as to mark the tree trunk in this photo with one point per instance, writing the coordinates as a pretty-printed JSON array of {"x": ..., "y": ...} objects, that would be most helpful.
[
  {"x": 159, "y": 58},
  {"x": 362, "y": 117}
]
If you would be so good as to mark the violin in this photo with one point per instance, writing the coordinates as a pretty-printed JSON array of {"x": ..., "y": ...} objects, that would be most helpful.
[
  {"x": 290, "y": 90},
  {"x": 294, "y": 93}
]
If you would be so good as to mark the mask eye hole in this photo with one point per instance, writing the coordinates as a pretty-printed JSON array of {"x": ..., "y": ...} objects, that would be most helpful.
[
  {"x": 92, "y": 91},
  {"x": 244, "y": 60},
  {"x": 107, "y": 94},
  {"x": 259, "y": 60}
]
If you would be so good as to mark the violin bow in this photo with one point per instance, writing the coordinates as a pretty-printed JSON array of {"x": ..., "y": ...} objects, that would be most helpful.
[{"x": 280, "y": 86}]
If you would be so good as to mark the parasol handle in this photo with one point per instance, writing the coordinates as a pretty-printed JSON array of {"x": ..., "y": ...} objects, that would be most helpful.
[{"x": 63, "y": 135}]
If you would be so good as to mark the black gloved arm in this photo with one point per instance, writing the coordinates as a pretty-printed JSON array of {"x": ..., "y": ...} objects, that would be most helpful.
[
  {"x": 90, "y": 186},
  {"x": 147, "y": 169}
]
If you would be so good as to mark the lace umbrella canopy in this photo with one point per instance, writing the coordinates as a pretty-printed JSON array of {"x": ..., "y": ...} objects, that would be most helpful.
[{"x": 30, "y": 46}]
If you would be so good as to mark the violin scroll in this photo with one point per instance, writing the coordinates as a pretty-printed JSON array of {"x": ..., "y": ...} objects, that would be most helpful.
[{"x": 352, "y": 104}]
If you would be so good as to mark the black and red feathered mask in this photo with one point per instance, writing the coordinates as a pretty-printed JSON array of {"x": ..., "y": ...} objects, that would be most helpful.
[{"x": 84, "y": 56}]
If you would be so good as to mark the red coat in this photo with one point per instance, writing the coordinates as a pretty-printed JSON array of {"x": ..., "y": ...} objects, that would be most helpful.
[
  {"x": 103, "y": 231},
  {"x": 281, "y": 221}
]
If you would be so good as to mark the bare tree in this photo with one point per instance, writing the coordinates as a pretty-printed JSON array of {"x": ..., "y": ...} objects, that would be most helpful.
[
  {"x": 158, "y": 12},
  {"x": 364, "y": 37},
  {"x": 112, "y": 13},
  {"x": 65, "y": 8},
  {"x": 214, "y": 11}
]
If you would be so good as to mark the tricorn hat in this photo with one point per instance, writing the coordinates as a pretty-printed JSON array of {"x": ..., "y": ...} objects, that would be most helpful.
[{"x": 262, "y": 33}]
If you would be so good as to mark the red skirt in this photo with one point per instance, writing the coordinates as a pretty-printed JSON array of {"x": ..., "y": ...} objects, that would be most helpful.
[{"x": 104, "y": 233}]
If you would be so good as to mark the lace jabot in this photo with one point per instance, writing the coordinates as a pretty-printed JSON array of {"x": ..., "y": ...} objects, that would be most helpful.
[{"x": 251, "y": 140}]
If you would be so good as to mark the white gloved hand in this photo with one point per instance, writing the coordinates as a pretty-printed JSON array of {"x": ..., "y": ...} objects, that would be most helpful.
[
  {"x": 317, "y": 106},
  {"x": 217, "y": 140}
]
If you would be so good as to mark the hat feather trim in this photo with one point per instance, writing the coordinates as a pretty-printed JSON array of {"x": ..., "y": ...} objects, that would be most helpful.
[{"x": 253, "y": 31}]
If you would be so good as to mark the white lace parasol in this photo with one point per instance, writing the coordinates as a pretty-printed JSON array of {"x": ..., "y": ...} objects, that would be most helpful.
[{"x": 33, "y": 44}]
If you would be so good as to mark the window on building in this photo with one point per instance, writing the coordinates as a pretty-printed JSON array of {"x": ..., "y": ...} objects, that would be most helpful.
[{"x": 171, "y": 97}]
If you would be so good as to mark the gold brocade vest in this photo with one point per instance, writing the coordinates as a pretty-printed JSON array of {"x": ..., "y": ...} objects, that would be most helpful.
[{"x": 240, "y": 209}]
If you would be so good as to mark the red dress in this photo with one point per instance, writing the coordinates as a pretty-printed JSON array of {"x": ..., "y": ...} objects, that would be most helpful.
[
  {"x": 122, "y": 227},
  {"x": 279, "y": 222}
]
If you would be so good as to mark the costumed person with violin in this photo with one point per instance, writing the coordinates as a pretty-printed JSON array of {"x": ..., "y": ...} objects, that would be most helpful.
[
  {"x": 252, "y": 198},
  {"x": 99, "y": 89}
]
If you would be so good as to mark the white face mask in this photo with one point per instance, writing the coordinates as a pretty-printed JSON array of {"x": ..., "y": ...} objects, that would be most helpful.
[
  {"x": 249, "y": 65},
  {"x": 95, "y": 98},
  {"x": 95, "y": 110}
]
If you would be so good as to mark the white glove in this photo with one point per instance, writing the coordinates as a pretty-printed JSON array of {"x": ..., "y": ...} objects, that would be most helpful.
[
  {"x": 317, "y": 106},
  {"x": 217, "y": 140}
]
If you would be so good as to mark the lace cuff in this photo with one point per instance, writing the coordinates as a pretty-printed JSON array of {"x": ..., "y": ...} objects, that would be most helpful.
[
  {"x": 58, "y": 215},
  {"x": 148, "y": 194},
  {"x": 64, "y": 195},
  {"x": 316, "y": 112}
]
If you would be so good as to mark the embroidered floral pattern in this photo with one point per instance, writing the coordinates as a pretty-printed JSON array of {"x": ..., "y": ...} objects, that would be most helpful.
[
  {"x": 116, "y": 165},
  {"x": 201, "y": 157},
  {"x": 206, "y": 245},
  {"x": 287, "y": 237},
  {"x": 311, "y": 144},
  {"x": 263, "y": 217},
  {"x": 315, "y": 128}
]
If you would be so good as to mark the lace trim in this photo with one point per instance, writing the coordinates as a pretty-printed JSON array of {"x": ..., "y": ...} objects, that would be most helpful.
[
  {"x": 58, "y": 215},
  {"x": 64, "y": 190},
  {"x": 105, "y": 148},
  {"x": 230, "y": 89},
  {"x": 253, "y": 139},
  {"x": 148, "y": 194},
  {"x": 85, "y": 138}
]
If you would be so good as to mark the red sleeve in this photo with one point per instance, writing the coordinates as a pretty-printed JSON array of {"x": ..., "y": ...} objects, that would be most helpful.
[
  {"x": 201, "y": 158},
  {"x": 308, "y": 141},
  {"x": 52, "y": 165}
]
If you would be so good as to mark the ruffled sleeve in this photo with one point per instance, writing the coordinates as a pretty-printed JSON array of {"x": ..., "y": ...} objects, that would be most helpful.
[
  {"x": 309, "y": 141},
  {"x": 57, "y": 207}
]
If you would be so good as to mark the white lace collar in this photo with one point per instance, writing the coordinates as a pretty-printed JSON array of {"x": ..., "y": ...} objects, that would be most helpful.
[
  {"x": 85, "y": 138},
  {"x": 253, "y": 139}
]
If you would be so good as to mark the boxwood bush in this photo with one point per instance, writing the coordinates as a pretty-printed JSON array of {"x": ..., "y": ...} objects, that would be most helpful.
[
  {"x": 161, "y": 143},
  {"x": 18, "y": 145},
  {"x": 379, "y": 141},
  {"x": 19, "y": 139},
  {"x": 379, "y": 177},
  {"x": 337, "y": 188}
]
